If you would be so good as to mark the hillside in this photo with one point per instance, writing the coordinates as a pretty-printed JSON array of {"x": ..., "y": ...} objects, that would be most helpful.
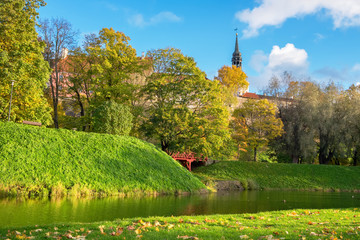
[
  {"x": 256, "y": 175},
  {"x": 43, "y": 161}
]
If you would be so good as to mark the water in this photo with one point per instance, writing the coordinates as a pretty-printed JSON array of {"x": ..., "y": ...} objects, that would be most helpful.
[{"x": 15, "y": 212}]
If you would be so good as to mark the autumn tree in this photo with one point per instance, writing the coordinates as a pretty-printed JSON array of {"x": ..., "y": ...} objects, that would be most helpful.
[
  {"x": 21, "y": 61},
  {"x": 256, "y": 120},
  {"x": 59, "y": 37},
  {"x": 185, "y": 112},
  {"x": 233, "y": 78},
  {"x": 234, "y": 81}
]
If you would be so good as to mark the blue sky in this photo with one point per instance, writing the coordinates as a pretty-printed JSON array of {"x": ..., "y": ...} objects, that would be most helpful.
[{"x": 310, "y": 38}]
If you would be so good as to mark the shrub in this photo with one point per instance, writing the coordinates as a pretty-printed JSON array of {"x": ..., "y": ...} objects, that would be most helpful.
[{"x": 113, "y": 118}]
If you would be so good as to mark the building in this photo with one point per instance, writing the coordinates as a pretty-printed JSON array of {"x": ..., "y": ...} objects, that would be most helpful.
[
  {"x": 236, "y": 58},
  {"x": 244, "y": 94}
]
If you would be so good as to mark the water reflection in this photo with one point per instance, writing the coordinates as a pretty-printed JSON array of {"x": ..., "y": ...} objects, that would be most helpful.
[{"x": 18, "y": 212}]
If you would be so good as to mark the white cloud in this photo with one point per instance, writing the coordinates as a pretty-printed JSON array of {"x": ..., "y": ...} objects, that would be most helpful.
[
  {"x": 139, "y": 20},
  {"x": 288, "y": 58},
  {"x": 356, "y": 67},
  {"x": 357, "y": 84},
  {"x": 344, "y": 13}
]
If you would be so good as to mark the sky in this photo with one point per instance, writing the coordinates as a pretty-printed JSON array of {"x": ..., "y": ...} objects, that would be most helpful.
[{"x": 316, "y": 39}]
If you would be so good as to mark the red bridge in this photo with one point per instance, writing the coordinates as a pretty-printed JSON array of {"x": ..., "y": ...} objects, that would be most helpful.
[{"x": 187, "y": 158}]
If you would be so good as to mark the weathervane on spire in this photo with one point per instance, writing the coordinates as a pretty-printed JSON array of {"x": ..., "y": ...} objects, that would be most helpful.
[{"x": 236, "y": 59}]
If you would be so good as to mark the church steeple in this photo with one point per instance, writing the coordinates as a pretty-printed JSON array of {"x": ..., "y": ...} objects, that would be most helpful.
[{"x": 236, "y": 59}]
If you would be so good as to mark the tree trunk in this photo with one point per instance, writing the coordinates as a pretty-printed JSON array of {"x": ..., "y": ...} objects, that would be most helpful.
[
  {"x": 56, "y": 116},
  {"x": 356, "y": 156},
  {"x": 323, "y": 158},
  {"x": 255, "y": 153},
  {"x": 164, "y": 146},
  {"x": 55, "y": 102},
  {"x": 295, "y": 159}
]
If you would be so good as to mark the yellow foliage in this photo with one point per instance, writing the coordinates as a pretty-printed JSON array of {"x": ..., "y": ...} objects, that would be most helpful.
[{"x": 233, "y": 78}]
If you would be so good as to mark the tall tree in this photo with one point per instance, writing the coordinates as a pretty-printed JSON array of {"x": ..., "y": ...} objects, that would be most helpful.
[
  {"x": 59, "y": 37},
  {"x": 233, "y": 78},
  {"x": 349, "y": 106},
  {"x": 106, "y": 68},
  {"x": 257, "y": 119},
  {"x": 116, "y": 63},
  {"x": 185, "y": 111},
  {"x": 21, "y": 60}
]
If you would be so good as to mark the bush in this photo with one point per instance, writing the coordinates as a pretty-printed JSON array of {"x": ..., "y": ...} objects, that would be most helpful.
[{"x": 113, "y": 118}]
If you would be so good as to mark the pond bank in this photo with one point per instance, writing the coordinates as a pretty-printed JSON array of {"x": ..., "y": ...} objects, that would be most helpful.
[
  {"x": 305, "y": 177},
  {"x": 289, "y": 224}
]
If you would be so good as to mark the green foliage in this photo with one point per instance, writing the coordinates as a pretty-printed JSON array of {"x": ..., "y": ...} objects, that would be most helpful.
[
  {"x": 113, "y": 118},
  {"x": 115, "y": 61},
  {"x": 256, "y": 122},
  {"x": 321, "y": 124},
  {"x": 284, "y": 176},
  {"x": 285, "y": 224},
  {"x": 106, "y": 68},
  {"x": 185, "y": 112},
  {"x": 58, "y": 159},
  {"x": 21, "y": 60}
]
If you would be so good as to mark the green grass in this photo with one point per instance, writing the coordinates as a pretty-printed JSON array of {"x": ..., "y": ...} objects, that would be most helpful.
[
  {"x": 41, "y": 161},
  {"x": 289, "y": 224},
  {"x": 283, "y": 176}
]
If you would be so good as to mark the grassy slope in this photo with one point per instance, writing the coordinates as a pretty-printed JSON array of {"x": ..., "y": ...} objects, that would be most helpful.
[
  {"x": 289, "y": 224},
  {"x": 31, "y": 157},
  {"x": 284, "y": 176}
]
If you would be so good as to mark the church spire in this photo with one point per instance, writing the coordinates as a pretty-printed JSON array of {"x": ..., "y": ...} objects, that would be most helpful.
[{"x": 236, "y": 59}]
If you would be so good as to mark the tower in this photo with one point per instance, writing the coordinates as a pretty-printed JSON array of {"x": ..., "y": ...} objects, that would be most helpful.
[{"x": 236, "y": 58}]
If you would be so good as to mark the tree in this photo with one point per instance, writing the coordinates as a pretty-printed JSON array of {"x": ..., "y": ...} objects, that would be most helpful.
[
  {"x": 349, "y": 105},
  {"x": 257, "y": 121},
  {"x": 185, "y": 112},
  {"x": 59, "y": 37},
  {"x": 115, "y": 65},
  {"x": 233, "y": 78},
  {"x": 113, "y": 118},
  {"x": 21, "y": 60},
  {"x": 106, "y": 68}
]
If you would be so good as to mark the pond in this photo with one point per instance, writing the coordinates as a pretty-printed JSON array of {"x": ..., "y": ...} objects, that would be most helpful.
[{"x": 15, "y": 212}]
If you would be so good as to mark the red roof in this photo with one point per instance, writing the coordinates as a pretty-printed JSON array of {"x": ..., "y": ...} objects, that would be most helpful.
[{"x": 250, "y": 95}]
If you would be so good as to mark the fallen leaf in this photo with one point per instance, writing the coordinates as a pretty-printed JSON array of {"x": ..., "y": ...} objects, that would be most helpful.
[
  {"x": 138, "y": 231},
  {"x": 130, "y": 228},
  {"x": 187, "y": 237}
]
